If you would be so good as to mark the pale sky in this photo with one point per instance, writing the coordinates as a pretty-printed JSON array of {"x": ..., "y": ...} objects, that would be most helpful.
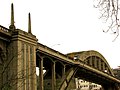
[{"x": 73, "y": 24}]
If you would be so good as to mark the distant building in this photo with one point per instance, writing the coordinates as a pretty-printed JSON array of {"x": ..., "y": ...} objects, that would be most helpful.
[
  {"x": 116, "y": 72},
  {"x": 85, "y": 85}
]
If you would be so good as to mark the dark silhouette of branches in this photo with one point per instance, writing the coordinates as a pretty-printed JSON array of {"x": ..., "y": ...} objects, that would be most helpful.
[
  {"x": 110, "y": 10},
  {"x": 9, "y": 77}
]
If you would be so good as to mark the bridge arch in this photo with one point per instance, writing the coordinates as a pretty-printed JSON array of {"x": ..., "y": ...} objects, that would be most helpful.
[{"x": 93, "y": 59}]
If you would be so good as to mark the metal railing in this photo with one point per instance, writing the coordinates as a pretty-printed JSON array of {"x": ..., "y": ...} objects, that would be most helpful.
[{"x": 4, "y": 28}]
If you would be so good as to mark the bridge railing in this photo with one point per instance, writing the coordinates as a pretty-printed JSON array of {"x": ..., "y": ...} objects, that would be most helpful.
[{"x": 4, "y": 28}]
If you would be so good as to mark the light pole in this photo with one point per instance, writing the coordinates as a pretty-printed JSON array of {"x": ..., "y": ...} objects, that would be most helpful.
[{"x": 55, "y": 45}]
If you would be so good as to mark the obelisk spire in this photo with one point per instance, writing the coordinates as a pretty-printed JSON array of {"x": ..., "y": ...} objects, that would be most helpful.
[
  {"x": 29, "y": 23},
  {"x": 12, "y": 26}
]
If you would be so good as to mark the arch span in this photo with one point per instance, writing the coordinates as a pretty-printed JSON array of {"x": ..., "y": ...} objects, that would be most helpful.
[{"x": 94, "y": 59}]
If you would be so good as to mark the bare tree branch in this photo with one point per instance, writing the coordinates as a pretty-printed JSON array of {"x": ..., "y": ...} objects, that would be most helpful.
[
  {"x": 110, "y": 10},
  {"x": 13, "y": 78}
]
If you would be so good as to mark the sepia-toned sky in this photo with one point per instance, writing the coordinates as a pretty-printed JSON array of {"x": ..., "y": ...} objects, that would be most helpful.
[{"x": 64, "y": 25}]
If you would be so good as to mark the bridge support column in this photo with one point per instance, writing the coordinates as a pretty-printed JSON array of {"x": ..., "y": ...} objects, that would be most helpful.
[
  {"x": 53, "y": 77},
  {"x": 99, "y": 65},
  {"x": 103, "y": 66},
  {"x": 41, "y": 74},
  {"x": 63, "y": 71},
  {"x": 95, "y": 62},
  {"x": 91, "y": 61}
]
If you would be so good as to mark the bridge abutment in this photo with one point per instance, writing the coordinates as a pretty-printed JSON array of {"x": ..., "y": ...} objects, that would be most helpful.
[{"x": 22, "y": 58}]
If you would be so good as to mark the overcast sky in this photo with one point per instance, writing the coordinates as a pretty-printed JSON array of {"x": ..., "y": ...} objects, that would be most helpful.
[{"x": 64, "y": 25}]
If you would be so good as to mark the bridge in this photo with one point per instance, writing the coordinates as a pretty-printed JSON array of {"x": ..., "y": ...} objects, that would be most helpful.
[{"x": 21, "y": 53}]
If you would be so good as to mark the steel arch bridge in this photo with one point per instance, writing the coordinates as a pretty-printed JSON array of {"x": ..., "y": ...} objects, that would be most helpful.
[
  {"x": 21, "y": 53},
  {"x": 87, "y": 65},
  {"x": 93, "y": 59}
]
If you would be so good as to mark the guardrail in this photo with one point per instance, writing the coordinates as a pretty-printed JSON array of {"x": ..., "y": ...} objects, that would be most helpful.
[{"x": 4, "y": 29}]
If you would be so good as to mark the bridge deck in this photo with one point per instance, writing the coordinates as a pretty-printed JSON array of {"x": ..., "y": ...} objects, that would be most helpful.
[{"x": 53, "y": 53}]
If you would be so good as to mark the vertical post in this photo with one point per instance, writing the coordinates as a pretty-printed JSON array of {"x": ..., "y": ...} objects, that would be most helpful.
[
  {"x": 63, "y": 71},
  {"x": 41, "y": 73},
  {"x": 95, "y": 62},
  {"x": 91, "y": 61},
  {"x": 103, "y": 64},
  {"x": 53, "y": 77},
  {"x": 99, "y": 64}
]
